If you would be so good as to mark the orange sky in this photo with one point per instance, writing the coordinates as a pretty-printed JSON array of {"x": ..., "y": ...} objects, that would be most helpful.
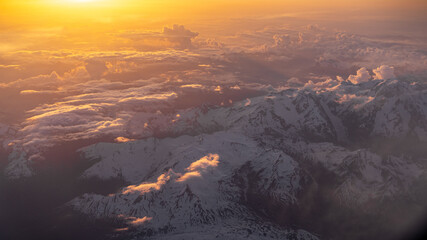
[
  {"x": 73, "y": 23},
  {"x": 53, "y": 12}
]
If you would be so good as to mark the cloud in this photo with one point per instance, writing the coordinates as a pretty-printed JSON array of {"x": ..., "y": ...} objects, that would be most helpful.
[
  {"x": 134, "y": 221},
  {"x": 211, "y": 160},
  {"x": 294, "y": 82},
  {"x": 42, "y": 82},
  {"x": 188, "y": 175},
  {"x": 357, "y": 101},
  {"x": 361, "y": 76},
  {"x": 384, "y": 72},
  {"x": 96, "y": 68},
  {"x": 113, "y": 94},
  {"x": 197, "y": 167},
  {"x": 248, "y": 102},
  {"x": 192, "y": 86},
  {"x": 48, "y": 83},
  {"x": 147, "y": 187},
  {"x": 123, "y": 140},
  {"x": 10, "y": 66},
  {"x": 139, "y": 221},
  {"x": 137, "y": 99},
  {"x": 328, "y": 83},
  {"x": 179, "y": 35},
  {"x": 282, "y": 40},
  {"x": 105, "y": 110},
  {"x": 114, "y": 110},
  {"x": 36, "y": 92}
]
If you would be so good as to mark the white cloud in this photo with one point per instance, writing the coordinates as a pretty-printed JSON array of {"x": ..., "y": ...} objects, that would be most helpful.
[
  {"x": 361, "y": 76},
  {"x": 328, "y": 83},
  {"x": 117, "y": 93},
  {"x": 47, "y": 82},
  {"x": 196, "y": 169},
  {"x": 147, "y": 187},
  {"x": 211, "y": 160},
  {"x": 384, "y": 72}
]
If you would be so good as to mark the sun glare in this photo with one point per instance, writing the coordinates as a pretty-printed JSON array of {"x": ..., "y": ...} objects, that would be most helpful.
[
  {"x": 77, "y": 1},
  {"x": 80, "y": 1}
]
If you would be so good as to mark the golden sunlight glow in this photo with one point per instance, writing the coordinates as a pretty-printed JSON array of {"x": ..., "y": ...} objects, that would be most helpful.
[
  {"x": 78, "y": 1},
  {"x": 103, "y": 24}
]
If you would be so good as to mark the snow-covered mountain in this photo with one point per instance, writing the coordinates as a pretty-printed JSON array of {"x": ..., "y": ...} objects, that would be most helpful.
[
  {"x": 238, "y": 170},
  {"x": 225, "y": 161},
  {"x": 180, "y": 185}
]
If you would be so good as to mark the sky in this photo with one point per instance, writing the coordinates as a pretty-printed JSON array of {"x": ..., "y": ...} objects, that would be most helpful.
[{"x": 76, "y": 24}]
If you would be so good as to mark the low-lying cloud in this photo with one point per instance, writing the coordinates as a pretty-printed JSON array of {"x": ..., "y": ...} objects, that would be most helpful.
[
  {"x": 195, "y": 170},
  {"x": 133, "y": 93}
]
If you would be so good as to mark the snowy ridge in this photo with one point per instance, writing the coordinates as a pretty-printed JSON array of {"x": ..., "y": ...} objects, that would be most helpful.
[
  {"x": 363, "y": 175},
  {"x": 254, "y": 141},
  {"x": 341, "y": 112},
  {"x": 206, "y": 191},
  {"x": 202, "y": 167}
]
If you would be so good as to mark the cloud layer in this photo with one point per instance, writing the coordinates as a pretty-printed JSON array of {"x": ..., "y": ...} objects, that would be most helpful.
[{"x": 62, "y": 96}]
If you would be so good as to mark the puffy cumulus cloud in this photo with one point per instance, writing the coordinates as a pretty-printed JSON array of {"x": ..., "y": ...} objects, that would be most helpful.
[
  {"x": 361, "y": 76},
  {"x": 78, "y": 74},
  {"x": 177, "y": 37},
  {"x": 321, "y": 51},
  {"x": 282, "y": 40},
  {"x": 180, "y": 35},
  {"x": 314, "y": 27},
  {"x": 384, "y": 72}
]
